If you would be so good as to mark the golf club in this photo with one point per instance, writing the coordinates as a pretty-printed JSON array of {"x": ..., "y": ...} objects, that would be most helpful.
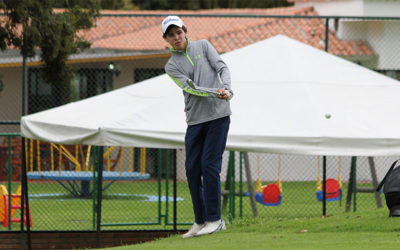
[{"x": 193, "y": 86}]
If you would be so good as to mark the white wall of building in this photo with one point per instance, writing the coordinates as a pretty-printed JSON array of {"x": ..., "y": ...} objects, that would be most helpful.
[
  {"x": 11, "y": 97},
  {"x": 354, "y": 7},
  {"x": 381, "y": 8},
  {"x": 335, "y": 7},
  {"x": 390, "y": 51},
  {"x": 382, "y": 36}
]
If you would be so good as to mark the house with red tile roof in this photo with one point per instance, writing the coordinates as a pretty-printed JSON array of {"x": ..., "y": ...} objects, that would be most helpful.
[
  {"x": 127, "y": 47},
  {"x": 382, "y": 35},
  {"x": 142, "y": 33}
]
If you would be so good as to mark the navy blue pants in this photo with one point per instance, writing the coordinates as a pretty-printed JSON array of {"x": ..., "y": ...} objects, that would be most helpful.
[{"x": 205, "y": 143}]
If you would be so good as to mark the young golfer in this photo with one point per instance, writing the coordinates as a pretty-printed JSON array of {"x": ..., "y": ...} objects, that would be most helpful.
[{"x": 208, "y": 117}]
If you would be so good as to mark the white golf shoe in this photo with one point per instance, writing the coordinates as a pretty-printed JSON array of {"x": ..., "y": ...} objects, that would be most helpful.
[
  {"x": 212, "y": 227},
  {"x": 193, "y": 230}
]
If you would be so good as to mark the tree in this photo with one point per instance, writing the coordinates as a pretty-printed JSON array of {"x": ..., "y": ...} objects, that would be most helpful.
[
  {"x": 31, "y": 25},
  {"x": 104, "y": 4},
  {"x": 152, "y": 4},
  {"x": 112, "y": 4},
  {"x": 208, "y": 4}
]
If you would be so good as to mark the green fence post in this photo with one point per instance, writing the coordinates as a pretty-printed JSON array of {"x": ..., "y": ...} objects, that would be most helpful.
[
  {"x": 166, "y": 186},
  {"x": 159, "y": 184},
  {"x": 326, "y": 34},
  {"x": 9, "y": 181},
  {"x": 99, "y": 195},
  {"x": 95, "y": 157},
  {"x": 23, "y": 85},
  {"x": 25, "y": 202},
  {"x": 175, "y": 213}
]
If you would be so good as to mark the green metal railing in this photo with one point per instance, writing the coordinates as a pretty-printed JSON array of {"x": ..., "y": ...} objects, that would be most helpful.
[{"x": 96, "y": 155}]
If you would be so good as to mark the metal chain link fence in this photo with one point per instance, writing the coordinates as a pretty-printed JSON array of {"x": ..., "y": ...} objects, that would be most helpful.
[{"x": 138, "y": 187}]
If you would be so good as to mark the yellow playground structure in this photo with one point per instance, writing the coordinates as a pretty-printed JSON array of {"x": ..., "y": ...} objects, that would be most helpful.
[
  {"x": 72, "y": 163},
  {"x": 80, "y": 158}
]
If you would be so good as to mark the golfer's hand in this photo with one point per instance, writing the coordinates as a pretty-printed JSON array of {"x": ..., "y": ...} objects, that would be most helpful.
[{"x": 223, "y": 94}]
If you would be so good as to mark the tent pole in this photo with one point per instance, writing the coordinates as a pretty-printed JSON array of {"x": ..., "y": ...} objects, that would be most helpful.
[
  {"x": 24, "y": 202},
  {"x": 250, "y": 184},
  {"x": 324, "y": 185},
  {"x": 354, "y": 168},
  {"x": 349, "y": 190},
  {"x": 231, "y": 166},
  {"x": 241, "y": 185},
  {"x": 374, "y": 181},
  {"x": 324, "y": 157}
]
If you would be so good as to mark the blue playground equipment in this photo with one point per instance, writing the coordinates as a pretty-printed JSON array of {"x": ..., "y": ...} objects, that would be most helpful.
[
  {"x": 271, "y": 196},
  {"x": 77, "y": 181},
  {"x": 72, "y": 178},
  {"x": 333, "y": 191}
]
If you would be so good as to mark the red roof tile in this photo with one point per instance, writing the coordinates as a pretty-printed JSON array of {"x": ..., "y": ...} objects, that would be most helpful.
[
  {"x": 132, "y": 31},
  {"x": 143, "y": 33}
]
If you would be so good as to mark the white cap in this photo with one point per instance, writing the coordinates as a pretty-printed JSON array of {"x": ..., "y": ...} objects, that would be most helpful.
[{"x": 171, "y": 20}]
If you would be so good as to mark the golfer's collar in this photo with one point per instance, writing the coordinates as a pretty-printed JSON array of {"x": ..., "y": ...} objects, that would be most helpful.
[{"x": 181, "y": 51}]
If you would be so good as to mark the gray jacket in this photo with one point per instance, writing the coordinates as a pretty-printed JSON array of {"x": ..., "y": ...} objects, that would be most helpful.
[{"x": 202, "y": 64}]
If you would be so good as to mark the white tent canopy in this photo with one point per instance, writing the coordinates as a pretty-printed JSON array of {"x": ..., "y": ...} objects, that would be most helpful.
[{"x": 285, "y": 91}]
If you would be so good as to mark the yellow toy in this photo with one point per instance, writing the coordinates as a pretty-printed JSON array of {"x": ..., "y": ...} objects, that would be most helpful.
[
  {"x": 15, "y": 204},
  {"x": 15, "y": 201}
]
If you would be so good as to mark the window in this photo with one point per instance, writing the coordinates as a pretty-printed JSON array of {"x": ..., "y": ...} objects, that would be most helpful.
[
  {"x": 142, "y": 74},
  {"x": 93, "y": 82},
  {"x": 42, "y": 95},
  {"x": 88, "y": 82}
]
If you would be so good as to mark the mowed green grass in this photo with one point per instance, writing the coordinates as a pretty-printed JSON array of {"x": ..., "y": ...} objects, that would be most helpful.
[
  {"x": 121, "y": 206},
  {"x": 359, "y": 230}
]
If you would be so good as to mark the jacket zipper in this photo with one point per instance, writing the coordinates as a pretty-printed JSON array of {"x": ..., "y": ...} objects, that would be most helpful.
[{"x": 188, "y": 57}]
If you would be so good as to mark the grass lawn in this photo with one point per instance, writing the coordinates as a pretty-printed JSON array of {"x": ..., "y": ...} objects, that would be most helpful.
[
  {"x": 360, "y": 230},
  {"x": 295, "y": 224},
  {"x": 53, "y": 208}
]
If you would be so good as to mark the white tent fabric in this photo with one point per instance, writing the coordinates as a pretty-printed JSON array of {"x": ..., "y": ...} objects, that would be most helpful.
[{"x": 289, "y": 98}]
